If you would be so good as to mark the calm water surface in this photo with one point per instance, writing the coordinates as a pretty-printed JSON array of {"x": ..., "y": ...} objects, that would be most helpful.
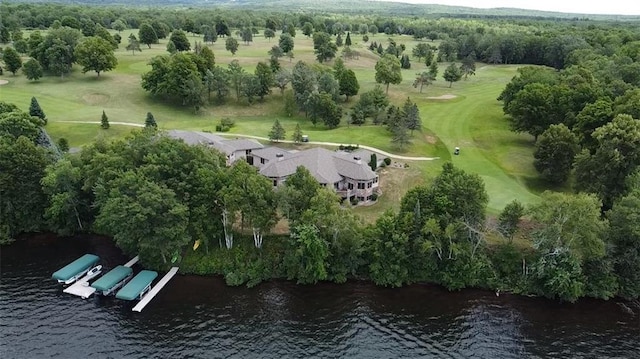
[{"x": 198, "y": 317}]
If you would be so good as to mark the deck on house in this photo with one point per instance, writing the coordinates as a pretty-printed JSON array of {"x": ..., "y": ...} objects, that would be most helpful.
[
  {"x": 72, "y": 269},
  {"x": 155, "y": 290}
]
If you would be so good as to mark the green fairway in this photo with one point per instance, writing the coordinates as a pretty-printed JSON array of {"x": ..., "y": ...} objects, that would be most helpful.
[{"x": 473, "y": 120}]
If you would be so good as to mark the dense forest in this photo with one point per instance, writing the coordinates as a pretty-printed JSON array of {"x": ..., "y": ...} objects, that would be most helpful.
[{"x": 577, "y": 94}]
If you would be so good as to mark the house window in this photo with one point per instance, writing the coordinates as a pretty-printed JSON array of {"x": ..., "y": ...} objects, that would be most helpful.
[
  {"x": 368, "y": 198},
  {"x": 350, "y": 185},
  {"x": 323, "y": 184},
  {"x": 375, "y": 180},
  {"x": 248, "y": 152},
  {"x": 262, "y": 161},
  {"x": 336, "y": 185},
  {"x": 275, "y": 183},
  {"x": 360, "y": 198},
  {"x": 360, "y": 185},
  {"x": 369, "y": 184}
]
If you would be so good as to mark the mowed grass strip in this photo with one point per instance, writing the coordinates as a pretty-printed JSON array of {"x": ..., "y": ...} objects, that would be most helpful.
[{"x": 473, "y": 120}]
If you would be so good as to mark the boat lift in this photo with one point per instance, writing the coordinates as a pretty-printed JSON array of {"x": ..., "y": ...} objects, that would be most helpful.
[
  {"x": 139, "y": 288},
  {"x": 82, "y": 289}
]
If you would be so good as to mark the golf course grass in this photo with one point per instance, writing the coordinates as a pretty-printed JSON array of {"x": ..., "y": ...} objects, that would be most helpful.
[{"x": 471, "y": 118}]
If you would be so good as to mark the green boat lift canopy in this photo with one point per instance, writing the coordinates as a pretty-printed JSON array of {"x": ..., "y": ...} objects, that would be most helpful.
[
  {"x": 109, "y": 280},
  {"x": 70, "y": 270},
  {"x": 137, "y": 285}
]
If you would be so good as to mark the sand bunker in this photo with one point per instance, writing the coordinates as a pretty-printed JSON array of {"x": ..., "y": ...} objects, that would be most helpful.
[
  {"x": 3, "y": 82},
  {"x": 443, "y": 97},
  {"x": 95, "y": 98}
]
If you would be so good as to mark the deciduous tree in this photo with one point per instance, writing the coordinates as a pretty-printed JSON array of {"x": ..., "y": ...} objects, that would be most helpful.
[
  {"x": 624, "y": 234},
  {"x": 306, "y": 255},
  {"x": 452, "y": 74},
  {"x": 388, "y": 71},
  {"x": 349, "y": 85},
  {"x": 307, "y": 29},
  {"x": 323, "y": 47},
  {"x": 32, "y": 69},
  {"x": 554, "y": 154},
  {"x": 266, "y": 78},
  {"x": 616, "y": 157},
  {"x": 22, "y": 164},
  {"x": 422, "y": 79},
  {"x": 217, "y": 80},
  {"x": 135, "y": 199},
  {"x": 231, "y": 45},
  {"x": 236, "y": 74},
  {"x": 95, "y": 54},
  {"x": 282, "y": 79},
  {"x": 12, "y": 60},
  {"x": 147, "y": 34},
  {"x": 286, "y": 43},
  {"x": 133, "y": 45},
  {"x": 509, "y": 219},
  {"x": 179, "y": 38}
]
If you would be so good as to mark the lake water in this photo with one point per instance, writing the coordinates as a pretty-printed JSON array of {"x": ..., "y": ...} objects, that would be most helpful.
[{"x": 200, "y": 317}]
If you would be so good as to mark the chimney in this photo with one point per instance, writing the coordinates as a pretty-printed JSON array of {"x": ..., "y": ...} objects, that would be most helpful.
[
  {"x": 358, "y": 159},
  {"x": 279, "y": 156}
]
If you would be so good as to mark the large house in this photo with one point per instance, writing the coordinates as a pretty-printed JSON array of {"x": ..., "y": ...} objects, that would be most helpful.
[{"x": 347, "y": 173}]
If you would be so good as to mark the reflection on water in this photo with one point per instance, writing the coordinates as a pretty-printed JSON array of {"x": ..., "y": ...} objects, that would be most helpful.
[{"x": 199, "y": 317}]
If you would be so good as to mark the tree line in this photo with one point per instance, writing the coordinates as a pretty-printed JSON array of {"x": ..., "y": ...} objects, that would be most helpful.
[{"x": 168, "y": 201}]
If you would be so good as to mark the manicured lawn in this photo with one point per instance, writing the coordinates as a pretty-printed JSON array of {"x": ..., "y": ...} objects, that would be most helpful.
[{"x": 472, "y": 121}]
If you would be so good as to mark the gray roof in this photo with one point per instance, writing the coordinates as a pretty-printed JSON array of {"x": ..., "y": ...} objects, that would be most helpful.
[
  {"x": 324, "y": 165},
  {"x": 242, "y": 144},
  {"x": 225, "y": 145},
  {"x": 350, "y": 168},
  {"x": 193, "y": 137},
  {"x": 269, "y": 153}
]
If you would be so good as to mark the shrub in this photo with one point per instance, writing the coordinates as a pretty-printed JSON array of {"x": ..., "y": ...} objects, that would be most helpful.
[
  {"x": 374, "y": 196},
  {"x": 354, "y": 201},
  {"x": 225, "y": 125},
  {"x": 387, "y": 161},
  {"x": 227, "y": 122}
]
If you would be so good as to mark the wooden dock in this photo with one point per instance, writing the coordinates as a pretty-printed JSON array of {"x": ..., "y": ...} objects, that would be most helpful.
[
  {"x": 81, "y": 288},
  {"x": 155, "y": 290},
  {"x": 133, "y": 261}
]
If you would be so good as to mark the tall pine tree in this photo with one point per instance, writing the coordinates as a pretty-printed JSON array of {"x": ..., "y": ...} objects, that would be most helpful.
[
  {"x": 36, "y": 111},
  {"x": 412, "y": 115},
  {"x": 297, "y": 134},
  {"x": 277, "y": 132},
  {"x": 150, "y": 121},
  {"x": 104, "y": 122}
]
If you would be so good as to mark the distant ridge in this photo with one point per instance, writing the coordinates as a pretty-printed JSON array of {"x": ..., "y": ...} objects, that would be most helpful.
[{"x": 351, "y": 7}]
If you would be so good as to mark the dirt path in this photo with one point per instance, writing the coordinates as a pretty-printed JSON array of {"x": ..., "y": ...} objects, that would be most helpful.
[{"x": 373, "y": 149}]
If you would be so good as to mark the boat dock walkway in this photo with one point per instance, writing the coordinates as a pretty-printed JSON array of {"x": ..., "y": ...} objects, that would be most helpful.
[
  {"x": 81, "y": 288},
  {"x": 155, "y": 290},
  {"x": 133, "y": 261}
]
